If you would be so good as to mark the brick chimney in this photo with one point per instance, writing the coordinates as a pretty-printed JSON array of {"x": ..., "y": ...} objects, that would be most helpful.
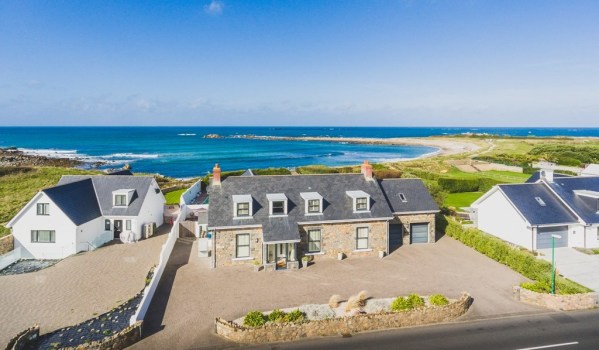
[
  {"x": 367, "y": 170},
  {"x": 216, "y": 175}
]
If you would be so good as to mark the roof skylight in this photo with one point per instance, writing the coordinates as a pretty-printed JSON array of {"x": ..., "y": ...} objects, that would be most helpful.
[
  {"x": 540, "y": 201},
  {"x": 403, "y": 197}
]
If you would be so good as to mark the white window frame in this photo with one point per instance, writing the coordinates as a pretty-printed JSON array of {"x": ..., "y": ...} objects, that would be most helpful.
[
  {"x": 310, "y": 251},
  {"x": 128, "y": 225},
  {"x": 35, "y": 233},
  {"x": 272, "y": 208},
  {"x": 45, "y": 209},
  {"x": 366, "y": 207},
  {"x": 312, "y": 196},
  {"x": 237, "y": 246},
  {"x": 319, "y": 206},
  {"x": 243, "y": 199},
  {"x": 358, "y": 238},
  {"x": 276, "y": 198},
  {"x": 116, "y": 202},
  {"x": 359, "y": 195},
  {"x": 237, "y": 209}
]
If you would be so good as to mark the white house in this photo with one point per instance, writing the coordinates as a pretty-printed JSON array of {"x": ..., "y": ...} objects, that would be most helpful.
[
  {"x": 528, "y": 214},
  {"x": 82, "y": 213}
]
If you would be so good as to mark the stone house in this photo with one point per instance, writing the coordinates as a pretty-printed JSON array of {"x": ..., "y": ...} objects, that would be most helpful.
[{"x": 276, "y": 220}]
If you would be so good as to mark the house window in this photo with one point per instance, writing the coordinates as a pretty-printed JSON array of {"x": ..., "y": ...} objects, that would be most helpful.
[
  {"x": 107, "y": 225},
  {"x": 361, "y": 238},
  {"x": 43, "y": 236},
  {"x": 361, "y": 204},
  {"x": 243, "y": 209},
  {"x": 242, "y": 245},
  {"x": 128, "y": 225},
  {"x": 120, "y": 200},
  {"x": 314, "y": 206},
  {"x": 278, "y": 208},
  {"x": 43, "y": 209},
  {"x": 314, "y": 241}
]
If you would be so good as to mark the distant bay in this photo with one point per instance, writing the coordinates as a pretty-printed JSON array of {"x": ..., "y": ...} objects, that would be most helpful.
[{"x": 184, "y": 152}]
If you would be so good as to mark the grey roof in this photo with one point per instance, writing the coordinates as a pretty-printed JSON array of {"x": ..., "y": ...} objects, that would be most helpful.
[
  {"x": 77, "y": 200},
  {"x": 585, "y": 207},
  {"x": 121, "y": 172},
  {"x": 105, "y": 185},
  {"x": 523, "y": 196},
  {"x": 537, "y": 176},
  {"x": 418, "y": 199},
  {"x": 337, "y": 205}
]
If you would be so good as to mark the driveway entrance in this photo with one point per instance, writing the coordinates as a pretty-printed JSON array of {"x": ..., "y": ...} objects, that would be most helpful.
[{"x": 577, "y": 266}]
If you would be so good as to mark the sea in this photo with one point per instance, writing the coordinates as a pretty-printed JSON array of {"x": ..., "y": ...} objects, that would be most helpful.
[{"x": 183, "y": 152}]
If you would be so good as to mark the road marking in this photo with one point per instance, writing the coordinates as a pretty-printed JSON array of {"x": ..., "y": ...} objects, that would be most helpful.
[{"x": 550, "y": 346}]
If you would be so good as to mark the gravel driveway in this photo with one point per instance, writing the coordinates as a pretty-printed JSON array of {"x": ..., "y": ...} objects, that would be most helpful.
[{"x": 191, "y": 295}]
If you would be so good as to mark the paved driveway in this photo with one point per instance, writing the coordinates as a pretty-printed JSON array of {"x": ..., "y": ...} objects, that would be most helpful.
[
  {"x": 77, "y": 288},
  {"x": 191, "y": 295},
  {"x": 577, "y": 266}
]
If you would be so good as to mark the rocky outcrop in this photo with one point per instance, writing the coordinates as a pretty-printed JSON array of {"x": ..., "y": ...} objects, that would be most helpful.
[{"x": 15, "y": 158}]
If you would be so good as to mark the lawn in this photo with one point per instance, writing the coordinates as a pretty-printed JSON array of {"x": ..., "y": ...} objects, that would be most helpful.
[
  {"x": 462, "y": 199},
  {"x": 174, "y": 196},
  {"x": 19, "y": 184},
  {"x": 502, "y": 176}
]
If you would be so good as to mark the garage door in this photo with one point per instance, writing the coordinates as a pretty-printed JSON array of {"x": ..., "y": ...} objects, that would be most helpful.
[
  {"x": 419, "y": 233},
  {"x": 544, "y": 237}
]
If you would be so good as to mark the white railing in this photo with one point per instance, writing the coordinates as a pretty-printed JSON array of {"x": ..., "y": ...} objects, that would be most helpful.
[
  {"x": 165, "y": 254},
  {"x": 10, "y": 257}
]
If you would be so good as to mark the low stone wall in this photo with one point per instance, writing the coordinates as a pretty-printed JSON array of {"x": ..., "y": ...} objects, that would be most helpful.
[
  {"x": 564, "y": 302},
  {"x": 6, "y": 244},
  {"x": 24, "y": 339},
  {"x": 120, "y": 340},
  {"x": 282, "y": 332}
]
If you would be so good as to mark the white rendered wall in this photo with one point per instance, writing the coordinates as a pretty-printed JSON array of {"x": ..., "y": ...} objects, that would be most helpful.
[
  {"x": 92, "y": 234},
  {"x": 56, "y": 220},
  {"x": 498, "y": 217},
  {"x": 152, "y": 209},
  {"x": 592, "y": 236},
  {"x": 576, "y": 236}
]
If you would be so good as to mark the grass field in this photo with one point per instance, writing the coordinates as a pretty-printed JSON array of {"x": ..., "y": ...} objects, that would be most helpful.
[
  {"x": 463, "y": 199},
  {"x": 502, "y": 176},
  {"x": 19, "y": 185},
  {"x": 174, "y": 196}
]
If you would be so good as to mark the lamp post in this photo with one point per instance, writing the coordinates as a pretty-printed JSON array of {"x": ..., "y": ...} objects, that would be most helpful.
[{"x": 553, "y": 237}]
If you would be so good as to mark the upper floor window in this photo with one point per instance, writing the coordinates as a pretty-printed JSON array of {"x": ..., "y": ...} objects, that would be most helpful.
[
  {"x": 361, "y": 204},
  {"x": 243, "y": 209},
  {"x": 242, "y": 206},
  {"x": 361, "y": 200},
  {"x": 314, "y": 206},
  {"x": 313, "y": 202},
  {"x": 277, "y": 203},
  {"x": 278, "y": 208},
  {"x": 120, "y": 200},
  {"x": 43, "y": 209}
]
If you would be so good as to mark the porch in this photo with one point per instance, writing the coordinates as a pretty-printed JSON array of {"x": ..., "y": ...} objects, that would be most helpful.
[{"x": 280, "y": 255}]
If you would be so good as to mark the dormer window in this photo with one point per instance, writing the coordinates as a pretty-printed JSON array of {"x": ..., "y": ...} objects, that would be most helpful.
[
  {"x": 278, "y": 203},
  {"x": 122, "y": 198},
  {"x": 361, "y": 200},
  {"x": 242, "y": 206},
  {"x": 313, "y": 203}
]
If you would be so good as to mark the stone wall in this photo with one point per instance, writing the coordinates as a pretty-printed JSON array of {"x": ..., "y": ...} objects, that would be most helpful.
[
  {"x": 408, "y": 219},
  {"x": 224, "y": 246},
  {"x": 6, "y": 244},
  {"x": 281, "y": 332},
  {"x": 121, "y": 340},
  {"x": 564, "y": 302},
  {"x": 24, "y": 339},
  {"x": 341, "y": 238}
]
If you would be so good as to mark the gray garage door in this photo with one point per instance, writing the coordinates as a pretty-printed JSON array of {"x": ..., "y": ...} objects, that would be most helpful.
[
  {"x": 544, "y": 237},
  {"x": 419, "y": 233}
]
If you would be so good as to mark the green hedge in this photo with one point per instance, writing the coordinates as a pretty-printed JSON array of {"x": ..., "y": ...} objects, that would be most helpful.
[
  {"x": 454, "y": 185},
  {"x": 518, "y": 260}
]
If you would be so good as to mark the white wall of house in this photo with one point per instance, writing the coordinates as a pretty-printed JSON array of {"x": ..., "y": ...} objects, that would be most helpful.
[
  {"x": 497, "y": 216},
  {"x": 576, "y": 236},
  {"x": 152, "y": 210},
  {"x": 592, "y": 236},
  {"x": 92, "y": 235},
  {"x": 64, "y": 244}
]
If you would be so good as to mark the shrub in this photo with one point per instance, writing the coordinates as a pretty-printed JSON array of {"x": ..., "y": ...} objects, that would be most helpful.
[
  {"x": 362, "y": 298},
  {"x": 272, "y": 171},
  {"x": 452, "y": 185},
  {"x": 276, "y": 315},
  {"x": 415, "y": 301},
  {"x": 410, "y": 302},
  {"x": 295, "y": 316},
  {"x": 254, "y": 319},
  {"x": 334, "y": 301},
  {"x": 352, "y": 303},
  {"x": 438, "y": 300}
]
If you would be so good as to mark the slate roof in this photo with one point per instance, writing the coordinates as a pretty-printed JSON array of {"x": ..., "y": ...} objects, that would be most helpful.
[
  {"x": 105, "y": 185},
  {"x": 337, "y": 205},
  {"x": 585, "y": 207},
  {"x": 537, "y": 176},
  {"x": 77, "y": 200},
  {"x": 523, "y": 198},
  {"x": 121, "y": 172},
  {"x": 418, "y": 199}
]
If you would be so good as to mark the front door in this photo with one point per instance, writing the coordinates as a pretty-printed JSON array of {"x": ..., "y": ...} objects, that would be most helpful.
[
  {"x": 118, "y": 228},
  {"x": 281, "y": 249}
]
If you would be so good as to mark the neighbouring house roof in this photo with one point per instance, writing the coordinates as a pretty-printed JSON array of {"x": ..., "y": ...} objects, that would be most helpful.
[
  {"x": 77, "y": 200},
  {"x": 121, "y": 172},
  {"x": 537, "y": 176},
  {"x": 337, "y": 205},
  {"x": 417, "y": 197},
  {"x": 585, "y": 206},
  {"x": 529, "y": 199},
  {"x": 105, "y": 186}
]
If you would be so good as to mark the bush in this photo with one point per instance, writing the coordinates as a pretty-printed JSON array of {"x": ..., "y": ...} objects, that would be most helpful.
[
  {"x": 438, "y": 300},
  {"x": 254, "y": 319},
  {"x": 362, "y": 298},
  {"x": 276, "y": 315},
  {"x": 452, "y": 185},
  {"x": 416, "y": 301},
  {"x": 334, "y": 301},
  {"x": 295, "y": 316},
  {"x": 413, "y": 301},
  {"x": 272, "y": 171},
  {"x": 387, "y": 174}
]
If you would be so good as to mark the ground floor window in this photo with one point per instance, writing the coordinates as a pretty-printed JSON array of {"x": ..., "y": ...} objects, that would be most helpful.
[
  {"x": 242, "y": 245},
  {"x": 43, "y": 236},
  {"x": 314, "y": 241},
  {"x": 107, "y": 225},
  {"x": 362, "y": 238},
  {"x": 128, "y": 225}
]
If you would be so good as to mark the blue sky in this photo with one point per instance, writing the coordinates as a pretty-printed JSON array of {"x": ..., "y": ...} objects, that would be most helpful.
[{"x": 344, "y": 62}]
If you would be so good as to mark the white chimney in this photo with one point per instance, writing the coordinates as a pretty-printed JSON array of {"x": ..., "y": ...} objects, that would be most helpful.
[{"x": 547, "y": 175}]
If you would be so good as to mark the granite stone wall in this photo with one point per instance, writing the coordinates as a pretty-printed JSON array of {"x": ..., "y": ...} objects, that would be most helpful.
[
  {"x": 24, "y": 339},
  {"x": 282, "y": 332},
  {"x": 341, "y": 238},
  {"x": 406, "y": 220},
  {"x": 6, "y": 244},
  {"x": 565, "y": 302},
  {"x": 121, "y": 340},
  {"x": 224, "y": 247}
]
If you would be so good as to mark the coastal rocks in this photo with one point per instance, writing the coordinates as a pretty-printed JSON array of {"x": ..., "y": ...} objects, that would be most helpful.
[
  {"x": 12, "y": 157},
  {"x": 212, "y": 136}
]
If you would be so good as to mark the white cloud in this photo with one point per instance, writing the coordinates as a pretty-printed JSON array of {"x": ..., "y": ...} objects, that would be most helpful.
[{"x": 214, "y": 8}]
